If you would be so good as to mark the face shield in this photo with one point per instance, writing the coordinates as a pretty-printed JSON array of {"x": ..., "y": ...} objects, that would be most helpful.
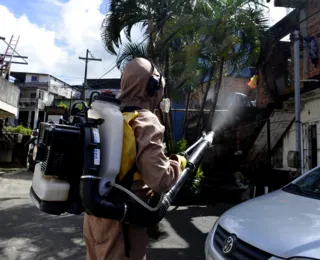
[{"x": 165, "y": 103}]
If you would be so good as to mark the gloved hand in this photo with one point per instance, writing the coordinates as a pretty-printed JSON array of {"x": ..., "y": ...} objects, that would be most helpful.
[{"x": 180, "y": 159}]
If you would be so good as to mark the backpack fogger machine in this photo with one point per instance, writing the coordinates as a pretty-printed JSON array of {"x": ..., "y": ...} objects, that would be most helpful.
[{"x": 80, "y": 157}]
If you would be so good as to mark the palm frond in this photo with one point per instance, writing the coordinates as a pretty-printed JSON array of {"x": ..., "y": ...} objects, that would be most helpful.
[
  {"x": 131, "y": 51},
  {"x": 123, "y": 15}
]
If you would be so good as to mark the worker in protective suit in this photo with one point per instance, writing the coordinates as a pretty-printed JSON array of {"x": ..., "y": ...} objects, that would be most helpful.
[{"x": 105, "y": 238}]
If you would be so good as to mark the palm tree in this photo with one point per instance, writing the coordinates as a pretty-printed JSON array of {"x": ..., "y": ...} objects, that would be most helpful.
[
  {"x": 231, "y": 33},
  {"x": 180, "y": 32},
  {"x": 130, "y": 51},
  {"x": 151, "y": 15},
  {"x": 242, "y": 49}
]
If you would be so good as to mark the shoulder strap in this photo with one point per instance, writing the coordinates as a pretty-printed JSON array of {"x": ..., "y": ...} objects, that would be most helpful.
[
  {"x": 128, "y": 178},
  {"x": 130, "y": 108}
]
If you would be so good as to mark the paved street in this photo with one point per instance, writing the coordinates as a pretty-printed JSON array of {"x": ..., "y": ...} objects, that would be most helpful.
[{"x": 26, "y": 233}]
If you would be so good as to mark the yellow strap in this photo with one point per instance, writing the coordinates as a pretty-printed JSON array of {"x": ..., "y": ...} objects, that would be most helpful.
[
  {"x": 129, "y": 145},
  {"x": 128, "y": 116},
  {"x": 137, "y": 176}
]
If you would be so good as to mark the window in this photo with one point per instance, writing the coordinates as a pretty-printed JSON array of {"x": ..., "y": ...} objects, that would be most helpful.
[
  {"x": 308, "y": 186},
  {"x": 313, "y": 148},
  {"x": 41, "y": 94},
  {"x": 34, "y": 78},
  {"x": 33, "y": 95}
]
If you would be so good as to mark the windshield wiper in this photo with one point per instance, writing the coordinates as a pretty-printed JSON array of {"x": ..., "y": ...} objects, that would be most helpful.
[{"x": 301, "y": 190}]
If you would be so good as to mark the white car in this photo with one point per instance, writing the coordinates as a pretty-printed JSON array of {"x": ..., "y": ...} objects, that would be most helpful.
[{"x": 284, "y": 224}]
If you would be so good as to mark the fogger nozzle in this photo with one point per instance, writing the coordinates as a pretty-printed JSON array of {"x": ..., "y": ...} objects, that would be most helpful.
[{"x": 209, "y": 137}]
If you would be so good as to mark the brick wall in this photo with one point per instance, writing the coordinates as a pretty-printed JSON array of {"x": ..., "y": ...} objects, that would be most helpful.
[
  {"x": 313, "y": 29},
  {"x": 310, "y": 27},
  {"x": 228, "y": 85}
]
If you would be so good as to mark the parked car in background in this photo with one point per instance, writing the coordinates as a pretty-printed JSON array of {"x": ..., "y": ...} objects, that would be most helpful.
[
  {"x": 237, "y": 100},
  {"x": 284, "y": 224}
]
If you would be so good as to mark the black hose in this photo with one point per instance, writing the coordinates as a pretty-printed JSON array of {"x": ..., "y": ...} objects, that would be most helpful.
[
  {"x": 91, "y": 96},
  {"x": 97, "y": 206},
  {"x": 139, "y": 215},
  {"x": 130, "y": 211},
  {"x": 84, "y": 108},
  {"x": 31, "y": 140}
]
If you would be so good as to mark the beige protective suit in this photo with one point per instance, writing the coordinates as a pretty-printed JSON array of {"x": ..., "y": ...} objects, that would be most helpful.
[{"x": 104, "y": 238}]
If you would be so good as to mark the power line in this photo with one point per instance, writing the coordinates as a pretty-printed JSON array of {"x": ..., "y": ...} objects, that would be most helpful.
[{"x": 85, "y": 71}]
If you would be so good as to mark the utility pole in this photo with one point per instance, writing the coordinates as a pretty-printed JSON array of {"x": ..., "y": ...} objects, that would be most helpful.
[
  {"x": 296, "y": 40},
  {"x": 85, "y": 71}
]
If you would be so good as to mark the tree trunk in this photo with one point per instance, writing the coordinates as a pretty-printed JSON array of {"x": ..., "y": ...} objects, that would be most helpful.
[
  {"x": 184, "y": 130},
  {"x": 216, "y": 95},
  {"x": 168, "y": 94},
  {"x": 166, "y": 74},
  {"x": 258, "y": 88},
  {"x": 150, "y": 31},
  {"x": 204, "y": 101},
  {"x": 150, "y": 49},
  {"x": 167, "y": 117}
]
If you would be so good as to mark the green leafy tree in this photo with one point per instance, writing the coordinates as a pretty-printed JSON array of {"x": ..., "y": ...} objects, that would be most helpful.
[
  {"x": 65, "y": 106},
  {"x": 220, "y": 33},
  {"x": 230, "y": 34},
  {"x": 152, "y": 16}
]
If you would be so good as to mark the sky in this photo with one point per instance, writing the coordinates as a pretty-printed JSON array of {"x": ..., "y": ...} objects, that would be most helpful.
[{"x": 54, "y": 33}]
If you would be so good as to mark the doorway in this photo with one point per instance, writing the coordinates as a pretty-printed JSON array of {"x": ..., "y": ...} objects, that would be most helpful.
[{"x": 313, "y": 156}]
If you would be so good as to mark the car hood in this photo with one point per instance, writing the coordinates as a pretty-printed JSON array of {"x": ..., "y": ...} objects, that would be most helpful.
[{"x": 279, "y": 223}]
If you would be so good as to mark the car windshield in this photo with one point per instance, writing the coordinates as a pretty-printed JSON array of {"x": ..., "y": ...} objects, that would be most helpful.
[{"x": 309, "y": 185}]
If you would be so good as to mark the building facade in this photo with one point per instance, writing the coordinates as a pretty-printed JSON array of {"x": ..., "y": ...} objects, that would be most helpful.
[
  {"x": 112, "y": 85},
  {"x": 36, "y": 92},
  {"x": 8, "y": 99},
  {"x": 305, "y": 18}
]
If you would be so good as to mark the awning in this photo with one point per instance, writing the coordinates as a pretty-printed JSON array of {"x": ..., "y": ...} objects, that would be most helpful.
[
  {"x": 55, "y": 110},
  {"x": 7, "y": 110},
  {"x": 289, "y": 3}
]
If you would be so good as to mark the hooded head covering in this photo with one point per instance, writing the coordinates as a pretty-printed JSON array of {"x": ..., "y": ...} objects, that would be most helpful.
[{"x": 134, "y": 81}]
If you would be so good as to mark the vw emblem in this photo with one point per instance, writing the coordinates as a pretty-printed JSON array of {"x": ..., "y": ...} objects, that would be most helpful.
[{"x": 228, "y": 245}]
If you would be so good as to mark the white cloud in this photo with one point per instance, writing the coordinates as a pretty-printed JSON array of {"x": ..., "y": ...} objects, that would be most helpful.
[
  {"x": 56, "y": 2},
  {"x": 54, "y": 48}
]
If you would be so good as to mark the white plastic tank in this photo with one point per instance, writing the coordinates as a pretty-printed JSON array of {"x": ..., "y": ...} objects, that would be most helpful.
[
  {"x": 111, "y": 135},
  {"x": 49, "y": 188}
]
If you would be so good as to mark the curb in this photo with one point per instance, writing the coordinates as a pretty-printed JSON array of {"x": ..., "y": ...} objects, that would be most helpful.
[{"x": 6, "y": 171}]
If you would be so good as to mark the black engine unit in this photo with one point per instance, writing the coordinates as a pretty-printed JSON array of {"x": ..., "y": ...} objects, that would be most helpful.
[
  {"x": 62, "y": 150},
  {"x": 70, "y": 152}
]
